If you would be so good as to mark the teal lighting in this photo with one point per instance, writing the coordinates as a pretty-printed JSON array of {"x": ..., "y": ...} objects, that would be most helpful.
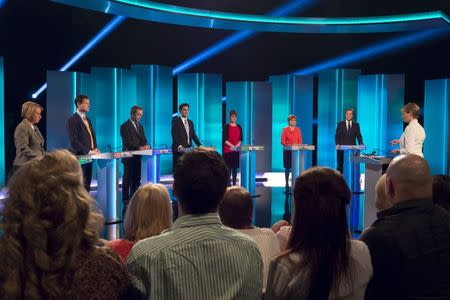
[
  {"x": 171, "y": 14},
  {"x": 435, "y": 119}
]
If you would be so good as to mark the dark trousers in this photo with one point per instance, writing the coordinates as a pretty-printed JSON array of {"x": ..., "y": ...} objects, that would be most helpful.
[
  {"x": 340, "y": 161},
  {"x": 175, "y": 156},
  {"x": 87, "y": 175},
  {"x": 131, "y": 178}
]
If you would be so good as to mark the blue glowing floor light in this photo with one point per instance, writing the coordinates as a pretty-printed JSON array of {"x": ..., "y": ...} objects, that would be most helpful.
[{"x": 91, "y": 44}]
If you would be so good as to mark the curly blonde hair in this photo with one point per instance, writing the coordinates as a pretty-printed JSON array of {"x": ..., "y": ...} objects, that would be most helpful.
[{"x": 48, "y": 221}]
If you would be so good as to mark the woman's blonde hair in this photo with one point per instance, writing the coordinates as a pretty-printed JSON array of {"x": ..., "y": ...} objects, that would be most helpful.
[
  {"x": 381, "y": 199},
  {"x": 28, "y": 109},
  {"x": 48, "y": 220},
  {"x": 149, "y": 212},
  {"x": 412, "y": 108}
]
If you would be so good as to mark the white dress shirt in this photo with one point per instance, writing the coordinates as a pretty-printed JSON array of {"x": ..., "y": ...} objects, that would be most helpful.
[{"x": 411, "y": 141}]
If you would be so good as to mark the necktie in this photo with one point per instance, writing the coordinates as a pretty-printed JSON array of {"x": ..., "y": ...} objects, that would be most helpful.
[
  {"x": 186, "y": 127},
  {"x": 86, "y": 123}
]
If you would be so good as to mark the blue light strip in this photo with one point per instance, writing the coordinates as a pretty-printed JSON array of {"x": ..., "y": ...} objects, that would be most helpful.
[
  {"x": 91, "y": 44},
  {"x": 374, "y": 50},
  {"x": 293, "y": 6}
]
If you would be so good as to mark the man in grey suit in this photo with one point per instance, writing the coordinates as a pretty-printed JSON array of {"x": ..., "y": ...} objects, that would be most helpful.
[{"x": 28, "y": 139}]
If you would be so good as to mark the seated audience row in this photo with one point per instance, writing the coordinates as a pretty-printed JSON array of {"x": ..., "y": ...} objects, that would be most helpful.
[{"x": 49, "y": 249}]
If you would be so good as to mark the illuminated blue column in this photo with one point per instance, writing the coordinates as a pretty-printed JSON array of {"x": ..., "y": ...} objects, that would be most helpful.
[
  {"x": 337, "y": 91},
  {"x": 291, "y": 94},
  {"x": 436, "y": 115},
  {"x": 203, "y": 92},
  {"x": 253, "y": 103},
  {"x": 61, "y": 92},
  {"x": 380, "y": 98},
  {"x": 2, "y": 124},
  {"x": 155, "y": 93}
]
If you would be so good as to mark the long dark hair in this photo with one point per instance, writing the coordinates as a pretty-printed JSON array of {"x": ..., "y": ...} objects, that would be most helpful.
[{"x": 320, "y": 230}]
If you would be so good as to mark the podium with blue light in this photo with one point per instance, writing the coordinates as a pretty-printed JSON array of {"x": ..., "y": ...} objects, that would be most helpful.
[
  {"x": 298, "y": 159},
  {"x": 247, "y": 160},
  {"x": 150, "y": 164},
  {"x": 352, "y": 174},
  {"x": 375, "y": 167},
  {"x": 107, "y": 186}
]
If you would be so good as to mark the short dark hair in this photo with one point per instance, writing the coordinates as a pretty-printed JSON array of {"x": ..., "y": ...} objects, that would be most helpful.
[
  {"x": 134, "y": 109},
  {"x": 236, "y": 208},
  {"x": 232, "y": 112},
  {"x": 441, "y": 191},
  {"x": 200, "y": 181},
  {"x": 349, "y": 109},
  {"x": 79, "y": 99},
  {"x": 182, "y": 105}
]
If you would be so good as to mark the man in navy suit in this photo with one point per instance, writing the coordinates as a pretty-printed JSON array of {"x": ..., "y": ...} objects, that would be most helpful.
[
  {"x": 347, "y": 132},
  {"x": 82, "y": 136},
  {"x": 183, "y": 133},
  {"x": 133, "y": 138}
]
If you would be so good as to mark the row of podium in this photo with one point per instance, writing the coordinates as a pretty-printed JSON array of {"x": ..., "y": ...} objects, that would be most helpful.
[{"x": 375, "y": 166}]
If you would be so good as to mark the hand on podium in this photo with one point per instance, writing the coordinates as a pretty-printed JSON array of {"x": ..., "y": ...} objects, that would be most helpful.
[
  {"x": 395, "y": 151},
  {"x": 146, "y": 147},
  {"x": 180, "y": 149},
  {"x": 337, "y": 147},
  {"x": 93, "y": 152}
]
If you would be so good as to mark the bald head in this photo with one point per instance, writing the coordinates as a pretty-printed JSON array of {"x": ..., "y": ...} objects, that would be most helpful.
[{"x": 408, "y": 177}]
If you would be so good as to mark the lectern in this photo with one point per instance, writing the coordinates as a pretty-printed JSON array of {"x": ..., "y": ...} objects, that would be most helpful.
[
  {"x": 247, "y": 160},
  {"x": 298, "y": 159}
]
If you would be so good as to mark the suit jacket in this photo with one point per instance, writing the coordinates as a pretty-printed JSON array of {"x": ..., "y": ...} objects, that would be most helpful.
[
  {"x": 132, "y": 139},
  {"x": 344, "y": 137},
  {"x": 29, "y": 143},
  {"x": 179, "y": 136},
  {"x": 80, "y": 142}
]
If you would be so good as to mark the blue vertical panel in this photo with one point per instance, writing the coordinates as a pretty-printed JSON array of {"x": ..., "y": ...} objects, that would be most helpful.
[
  {"x": 2, "y": 123},
  {"x": 203, "y": 92},
  {"x": 212, "y": 110},
  {"x": 380, "y": 98},
  {"x": 154, "y": 92},
  {"x": 281, "y": 96},
  {"x": 436, "y": 115},
  {"x": 302, "y": 107},
  {"x": 238, "y": 98},
  {"x": 261, "y": 114},
  {"x": 126, "y": 97},
  {"x": 337, "y": 91},
  {"x": 104, "y": 109}
]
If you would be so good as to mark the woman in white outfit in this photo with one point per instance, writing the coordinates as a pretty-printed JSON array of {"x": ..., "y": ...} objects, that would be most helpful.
[{"x": 411, "y": 141}]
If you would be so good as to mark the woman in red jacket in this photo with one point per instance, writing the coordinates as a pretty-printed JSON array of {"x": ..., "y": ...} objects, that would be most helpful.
[
  {"x": 232, "y": 138},
  {"x": 290, "y": 135}
]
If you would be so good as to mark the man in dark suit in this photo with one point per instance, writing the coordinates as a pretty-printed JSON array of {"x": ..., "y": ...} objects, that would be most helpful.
[
  {"x": 82, "y": 136},
  {"x": 133, "y": 138},
  {"x": 347, "y": 132},
  {"x": 183, "y": 133}
]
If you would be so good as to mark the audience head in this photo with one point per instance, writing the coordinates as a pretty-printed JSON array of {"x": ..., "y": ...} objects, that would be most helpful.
[
  {"x": 136, "y": 113},
  {"x": 233, "y": 116},
  {"x": 320, "y": 231},
  {"x": 382, "y": 200},
  {"x": 236, "y": 208},
  {"x": 48, "y": 220},
  {"x": 410, "y": 111},
  {"x": 184, "y": 109},
  {"x": 32, "y": 112},
  {"x": 200, "y": 181},
  {"x": 82, "y": 103},
  {"x": 441, "y": 191},
  {"x": 149, "y": 212},
  {"x": 408, "y": 177}
]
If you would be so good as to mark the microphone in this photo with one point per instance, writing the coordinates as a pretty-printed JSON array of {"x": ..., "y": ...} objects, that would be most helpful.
[{"x": 109, "y": 148}]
